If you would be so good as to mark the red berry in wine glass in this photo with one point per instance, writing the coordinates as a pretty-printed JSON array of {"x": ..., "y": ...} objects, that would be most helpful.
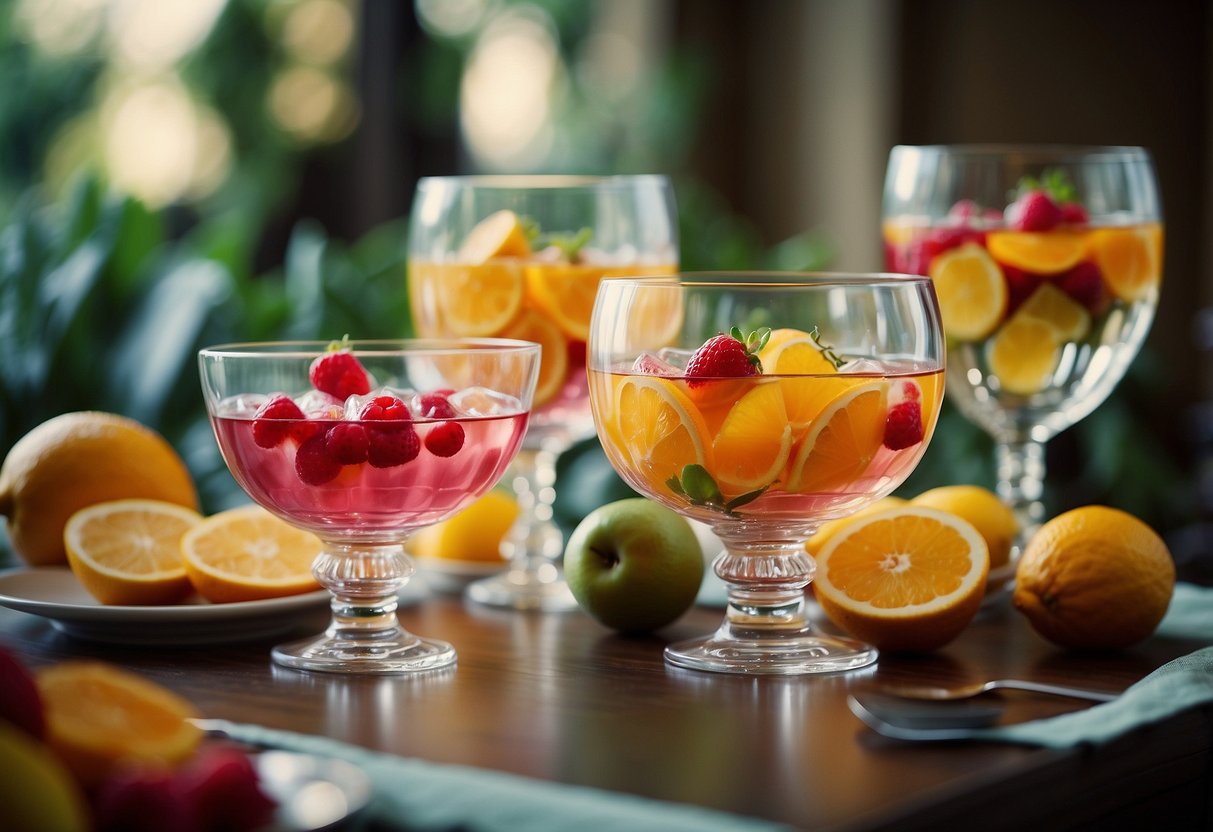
[
  {"x": 1034, "y": 211},
  {"x": 347, "y": 442},
  {"x": 313, "y": 464},
  {"x": 445, "y": 439},
  {"x": 273, "y": 421},
  {"x": 339, "y": 373},
  {"x": 436, "y": 406},
  {"x": 903, "y": 425}
]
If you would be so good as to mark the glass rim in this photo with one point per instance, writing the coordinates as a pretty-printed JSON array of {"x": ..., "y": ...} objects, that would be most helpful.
[
  {"x": 1051, "y": 151},
  {"x": 769, "y": 279},
  {"x": 373, "y": 347},
  {"x": 546, "y": 181}
]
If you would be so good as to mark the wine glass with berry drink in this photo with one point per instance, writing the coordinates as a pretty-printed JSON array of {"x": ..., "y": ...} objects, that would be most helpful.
[
  {"x": 764, "y": 405},
  {"x": 522, "y": 257},
  {"x": 1047, "y": 262},
  {"x": 363, "y": 443}
]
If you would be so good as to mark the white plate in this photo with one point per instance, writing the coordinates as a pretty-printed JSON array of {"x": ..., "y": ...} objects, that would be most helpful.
[
  {"x": 451, "y": 576},
  {"x": 55, "y": 594}
]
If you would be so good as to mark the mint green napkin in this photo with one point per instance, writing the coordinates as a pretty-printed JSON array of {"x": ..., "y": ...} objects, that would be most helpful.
[
  {"x": 1180, "y": 684},
  {"x": 1190, "y": 614},
  {"x": 414, "y": 794}
]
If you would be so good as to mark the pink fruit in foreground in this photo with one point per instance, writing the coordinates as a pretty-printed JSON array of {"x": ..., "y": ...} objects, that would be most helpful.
[
  {"x": 223, "y": 791},
  {"x": 20, "y": 702},
  {"x": 144, "y": 798}
]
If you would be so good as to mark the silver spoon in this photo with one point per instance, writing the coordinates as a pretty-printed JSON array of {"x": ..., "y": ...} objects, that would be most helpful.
[
  {"x": 902, "y": 719},
  {"x": 964, "y": 691}
]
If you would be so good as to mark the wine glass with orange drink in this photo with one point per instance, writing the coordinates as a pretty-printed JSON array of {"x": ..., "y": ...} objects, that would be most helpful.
[
  {"x": 522, "y": 257},
  {"x": 1047, "y": 262},
  {"x": 764, "y": 405}
]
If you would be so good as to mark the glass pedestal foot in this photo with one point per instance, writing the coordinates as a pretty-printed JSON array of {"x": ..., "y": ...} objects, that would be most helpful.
[
  {"x": 519, "y": 589},
  {"x": 401, "y": 653},
  {"x": 736, "y": 650}
]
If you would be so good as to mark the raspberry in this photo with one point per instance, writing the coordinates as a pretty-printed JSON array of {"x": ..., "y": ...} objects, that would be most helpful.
[
  {"x": 389, "y": 447},
  {"x": 1034, "y": 211},
  {"x": 1072, "y": 213},
  {"x": 444, "y": 439},
  {"x": 340, "y": 374},
  {"x": 727, "y": 356},
  {"x": 385, "y": 409},
  {"x": 1084, "y": 283},
  {"x": 436, "y": 406},
  {"x": 313, "y": 465},
  {"x": 903, "y": 425},
  {"x": 347, "y": 443},
  {"x": 1020, "y": 285},
  {"x": 274, "y": 420}
]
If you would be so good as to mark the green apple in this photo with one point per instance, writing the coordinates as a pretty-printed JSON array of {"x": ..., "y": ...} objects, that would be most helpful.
[{"x": 634, "y": 565}]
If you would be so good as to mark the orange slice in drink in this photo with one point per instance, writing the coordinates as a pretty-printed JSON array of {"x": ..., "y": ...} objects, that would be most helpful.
[
  {"x": 531, "y": 325},
  {"x": 754, "y": 441},
  {"x": 565, "y": 292},
  {"x": 1039, "y": 252},
  {"x": 482, "y": 299},
  {"x": 972, "y": 292},
  {"x": 129, "y": 551},
  {"x": 658, "y": 429},
  {"x": 1069, "y": 318},
  {"x": 1024, "y": 355},
  {"x": 1130, "y": 260},
  {"x": 248, "y": 554},
  {"x": 793, "y": 352},
  {"x": 841, "y": 441},
  {"x": 907, "y": 579},
  {"x": 501, "y": 234}
]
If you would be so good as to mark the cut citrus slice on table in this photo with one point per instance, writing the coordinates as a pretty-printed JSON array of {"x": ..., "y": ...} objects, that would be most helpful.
[
  {"x": 248, "y": 554},
  {"x": 841, "y": 442},
  {"x": 659, "y": 429},
  {"x": 972, "y": 292},
  {"x": 1130, "y": 260},
  {"x": 1069, "y": 318},
  {"x": 128, "y": 552},
  {"x": 829, "y": 529},
  {"x": 501, "y": 234},
  {"x": 100, "y": 717},
  {"x": 481, "y": 299},
  {"x": 752, "y": 446},
  {"x": 793, "y": 352},
  {"x": 1024, "y": 355},
  {"x": 1039, "y": 252},
  {"x": 565, "y": 292},
  {"x": 531, "y": 325},
  {"x": 904, "y": 579}
]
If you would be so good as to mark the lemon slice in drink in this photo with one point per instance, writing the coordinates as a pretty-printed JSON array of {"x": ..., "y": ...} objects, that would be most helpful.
[
  {"x": 1130, "y": 260},
  {"x": 500, "y": 234},
  {"x": 971, "y": 290}
]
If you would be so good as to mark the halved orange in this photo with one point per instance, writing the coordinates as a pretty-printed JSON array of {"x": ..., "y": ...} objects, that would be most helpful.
[
  {"x": 1130, "y": 260},
  {"x": 1068, "y": 317},
  {"x": 829, "y": 529},
  {"x": 501, "y": 234},
  {"x": 752, "y": 446},
  {"x": 906, "y": 579},
  {"x": 129, "y": 551},
  {"x": 972, "y": 292},
  {"x": 1039, "y": 252},
  {"x": 479, "y": 300},
  {"x": 841, "y": 442},
  {"x": 100, "y": 717},
  {"x": 533, "y": 325},
  {"x": 565, "y": 292},
  {"x": 248, "y": 554},
  {"x": 1024, "y": 355},
  {"x": 659, "y": 429},
  {"x": 793, "y": 352}
]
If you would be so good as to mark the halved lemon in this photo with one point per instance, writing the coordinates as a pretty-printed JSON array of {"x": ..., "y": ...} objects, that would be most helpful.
[
  {"x": 906, "y": 579},
  {"x": 972, "y": 292},
  {"x": 1067, "y": 316},
  {"x": 659, "y": 429},
  {"x": 565, "y": 292},
  {"x": 752, "y": 446},
  {"x": 479, "y": 300},
  {"x": 501, "y": 234},
  {"x": 1130, "y": 260},
  {"x": 1024, "y": 355},
  {"x": 248, "y": 554},
  {"x": 1039, "y": 252},
  {"x": 841, "y": 442},
  {"x": 533, "y": 325},
  {"x": 129, "y": 551}
]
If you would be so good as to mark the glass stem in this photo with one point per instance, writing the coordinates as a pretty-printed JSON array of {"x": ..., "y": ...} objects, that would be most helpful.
[
  {"x": 1021, "y": 477},
  {"x": 534, "y": 541},
  {"x": 364, "y": 581},
  {"x": 766, "y": 586}
]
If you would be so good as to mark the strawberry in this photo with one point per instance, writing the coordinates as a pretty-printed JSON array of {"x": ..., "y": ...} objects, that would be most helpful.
[
  {"x": 313, "y": 464},
  {"x": 1072, "y": 213},
  {"x": 1034, "y": 211},
  {"x": 339, "y": 373},
  {"x": 274, "y": 420},
  {"x": 1084, "y": 283},
  {"x": 435, "y": 406},
  {"x": 391, "y": 438},
  {"x": 444, "y": 439},
  {"x": 903, "y": 425},
  {"x": 347, "y": 442},
  {"x": 1020, "y": 285},
  {"x": 727, "y": 356}
]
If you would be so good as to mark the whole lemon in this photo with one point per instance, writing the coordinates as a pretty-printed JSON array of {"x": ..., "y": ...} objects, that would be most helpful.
[
  {"x": 77, "y": 460},
  {"x": 1094, "y": 577},
  {"x": 473, "y": 534},
  {"x": 993, "y": 520}
]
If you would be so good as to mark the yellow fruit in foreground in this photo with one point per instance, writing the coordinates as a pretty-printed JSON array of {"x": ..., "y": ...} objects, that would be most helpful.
[
  {"x": 99, "y": 717},
  {"x": 473, "y": 534},
  {"x": 993, "y": 520},
  {"x": 37, "y": 794},
  {"x": 76, "y": 460},
  {"x": 1094, "y": 577},
  {"x": 129, "y": 551},
  {"x": 906, "y": 579},
  {"x": 826, "y": 532}
]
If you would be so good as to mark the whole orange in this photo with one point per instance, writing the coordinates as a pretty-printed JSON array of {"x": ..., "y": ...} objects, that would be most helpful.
[{"x": 1094, "y": 577}]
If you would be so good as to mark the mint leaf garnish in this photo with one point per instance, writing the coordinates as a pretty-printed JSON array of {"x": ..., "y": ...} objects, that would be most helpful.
[
  {"x": 826, "y": 350},
  {"x": 697, "y": 485},
  {"x": 570, "y": 245},
  {"x": 1053, "y": 181}
]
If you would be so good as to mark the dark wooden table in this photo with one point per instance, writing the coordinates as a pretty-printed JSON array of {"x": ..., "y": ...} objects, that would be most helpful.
[{"x": 557, "y": 697}]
